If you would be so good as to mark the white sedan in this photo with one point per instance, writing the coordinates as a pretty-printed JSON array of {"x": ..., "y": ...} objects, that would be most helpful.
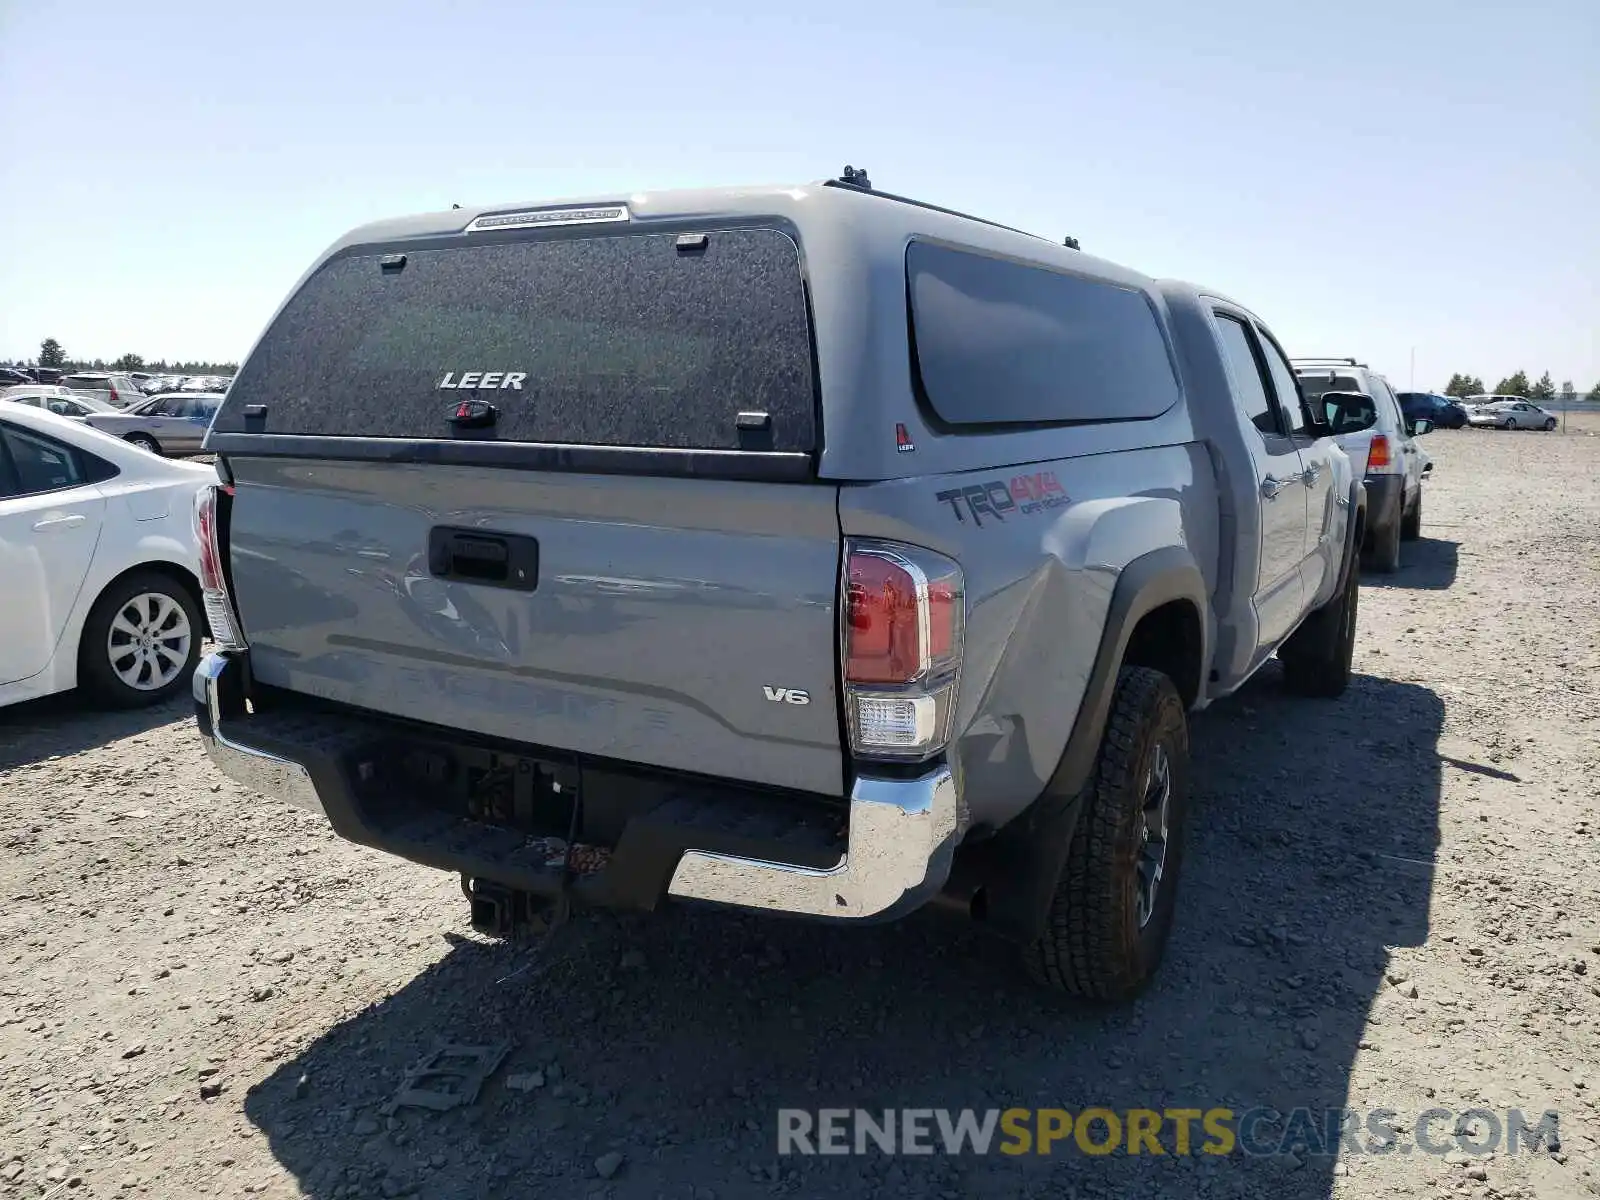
[
  {"x": 1511, "y": 414},
  {"x": 99, "y": 564}
]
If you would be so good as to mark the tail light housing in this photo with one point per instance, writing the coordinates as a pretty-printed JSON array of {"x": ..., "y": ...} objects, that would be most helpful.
[
  {"x": 209, "y": 511},
  {"x": 113, "y": 390},
  {"x": 1378, "y": 454},
  {"x": 903, "y": 622}
]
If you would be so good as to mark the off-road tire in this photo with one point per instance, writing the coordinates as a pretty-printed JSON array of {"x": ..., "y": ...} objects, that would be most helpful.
[
  {"x": 144, "y": 441},
  {"x": 1411, "y": 522},
  {"x": 95, "y": 673},
  {"x": 1316, "y": 658},
  {"x": 1383, "y": 555},
  {"x": 1092, "y": 946}
]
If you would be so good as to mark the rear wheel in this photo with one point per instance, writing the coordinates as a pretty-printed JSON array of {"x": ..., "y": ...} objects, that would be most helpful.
[
  {"x": 144, "y": 441},
  {"x": 1113, "y": 905},
  {"x": 1411, "y": 523},
  {"x": 1383, "y": 555},
  {"x": 141, "y": 641},
  {"x": 1316, "y": 659},
  {"x": 1508, "y": 423}
]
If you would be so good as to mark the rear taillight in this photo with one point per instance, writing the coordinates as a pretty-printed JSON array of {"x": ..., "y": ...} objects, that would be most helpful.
[
  {"x": 213, "y": 579},
  {"x": 904, "y": 612},
  {"x": 1378, "y": 452}
]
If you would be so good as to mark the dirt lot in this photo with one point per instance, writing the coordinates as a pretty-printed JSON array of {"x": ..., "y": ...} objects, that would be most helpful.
[{"x": 1392, "y": 901}]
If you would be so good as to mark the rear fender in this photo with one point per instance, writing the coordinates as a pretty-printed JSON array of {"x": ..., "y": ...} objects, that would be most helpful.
[{"x": 1010, "y": 878}]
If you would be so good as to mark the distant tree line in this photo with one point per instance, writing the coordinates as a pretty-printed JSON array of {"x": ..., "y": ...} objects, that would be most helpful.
[
  {"x": 1462, "y": 386},
  {"x": 52, "y": 355}
]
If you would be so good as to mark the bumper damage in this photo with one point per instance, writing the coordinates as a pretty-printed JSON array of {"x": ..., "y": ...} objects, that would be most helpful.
[{"x": 733, "y": 848}]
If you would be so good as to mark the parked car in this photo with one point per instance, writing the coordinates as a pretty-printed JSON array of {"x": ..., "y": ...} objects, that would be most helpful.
[
  {"x": 59, "y": 400},
  {"x": 205, "y": 383},
  {"x": 1382, "y": 447},
  {"x": 98, "y": 564},
  {"x": 12, "y": 377},
  {"x": 158, "y": 384},
  {"x": 1513, "y": 414},
  {"x": 119, "y": 391},
  {"x": 43, "y": 374},
  {"x": 171, "y": 424},
  {"x": 1442, "y": 411},
  {"x": 1078, "y": 504}
]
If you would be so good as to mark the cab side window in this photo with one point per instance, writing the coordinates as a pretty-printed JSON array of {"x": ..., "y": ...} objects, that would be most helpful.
[{"x": 1249, "y": 385}]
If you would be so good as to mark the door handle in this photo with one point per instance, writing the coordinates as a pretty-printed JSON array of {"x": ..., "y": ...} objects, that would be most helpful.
[
  {"x": 70, "y": 521},
  {"x": 1272, "y": 485}
]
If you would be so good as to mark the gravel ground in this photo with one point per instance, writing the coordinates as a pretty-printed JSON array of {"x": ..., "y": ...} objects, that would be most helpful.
[{"x": 1390, "y": 902}]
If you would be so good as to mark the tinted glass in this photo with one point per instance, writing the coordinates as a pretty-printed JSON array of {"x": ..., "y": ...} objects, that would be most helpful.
[
  {"x": 1250, "y": 389},
  {"x": 42, "y": 465},
  {"x": 614, "y": 341},
  {"x": 1313, "y": 383},
  {"x": 998, "y": 342},
  {"x": 1283, "y": 383}
]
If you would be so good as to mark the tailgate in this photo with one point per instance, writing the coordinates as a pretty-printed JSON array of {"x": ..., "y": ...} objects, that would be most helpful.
[
  {"x": 625, "y": 413},
  {"x": 670, "y": 621}
]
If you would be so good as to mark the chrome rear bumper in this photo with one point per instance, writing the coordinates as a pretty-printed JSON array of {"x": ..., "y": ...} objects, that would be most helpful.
[
  {"x": 903, "y": 835},
  {"x": 901, "y": 843}
]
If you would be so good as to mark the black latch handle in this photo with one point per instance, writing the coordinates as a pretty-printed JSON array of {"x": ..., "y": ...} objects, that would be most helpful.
[{"x": 495, "y": 559}]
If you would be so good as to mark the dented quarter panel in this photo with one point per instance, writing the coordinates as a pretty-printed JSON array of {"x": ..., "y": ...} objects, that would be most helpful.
[{"x": 1039, "y": 585}]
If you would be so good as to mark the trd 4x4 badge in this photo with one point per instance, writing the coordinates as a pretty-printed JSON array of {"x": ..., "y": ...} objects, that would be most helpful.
[{"x": 1025, "y": 494}]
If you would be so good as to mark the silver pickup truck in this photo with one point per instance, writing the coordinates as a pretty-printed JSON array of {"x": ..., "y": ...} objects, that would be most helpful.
[{"x": 806, "y": 549}]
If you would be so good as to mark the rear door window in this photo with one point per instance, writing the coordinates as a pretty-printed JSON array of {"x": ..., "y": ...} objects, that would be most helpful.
[
  {"x": 637, "y": 340},
  {"x": 1284, "y": 383},
  {"x": 1249, "y": 385},
  {"x": 1005, "y": 343},
  {"x": 41, "y": 464}
]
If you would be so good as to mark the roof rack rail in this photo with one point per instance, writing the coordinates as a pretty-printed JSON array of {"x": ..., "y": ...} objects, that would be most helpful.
[
  {"x": 855, "y": 180},
  {"x": 1315, "y": 359}
]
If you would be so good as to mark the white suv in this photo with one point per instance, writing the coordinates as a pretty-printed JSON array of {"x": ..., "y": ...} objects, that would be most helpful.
[{"x": 1382, "y": 450}]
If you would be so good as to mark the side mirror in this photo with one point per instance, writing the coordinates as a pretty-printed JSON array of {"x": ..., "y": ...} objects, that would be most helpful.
[
  {"x": 1349, "y": 412},
  {"x": 1419, "y": 427}
]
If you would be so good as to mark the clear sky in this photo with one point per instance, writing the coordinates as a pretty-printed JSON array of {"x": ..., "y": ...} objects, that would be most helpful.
[{"x": 1369, "y": 175}]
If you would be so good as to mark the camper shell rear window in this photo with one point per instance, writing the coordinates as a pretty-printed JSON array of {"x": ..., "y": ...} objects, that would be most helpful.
[{"x": 637, "y": 340}]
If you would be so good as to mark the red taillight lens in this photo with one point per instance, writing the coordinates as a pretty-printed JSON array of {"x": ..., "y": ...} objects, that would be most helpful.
[
  {"x": 883, "y": 644},
  {"x": 904, "y": 616},
  {"x": 1378, "y": 452},
  {"x": 213, "y": 579},
  {"x": 205, "y": 532}
]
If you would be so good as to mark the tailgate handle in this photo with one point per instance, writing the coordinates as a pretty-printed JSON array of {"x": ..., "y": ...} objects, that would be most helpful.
[{"x": 494, "y": 559}]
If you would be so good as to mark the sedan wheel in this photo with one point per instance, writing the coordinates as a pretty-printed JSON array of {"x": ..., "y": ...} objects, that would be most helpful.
[
  {"x": 1508, "y": 423},
  {"x": 144, "y": 441},
  {"x": 1550, "y": 425},
  {"x": 149, "y": 641},
  {"x": 141, "y": 641}
]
